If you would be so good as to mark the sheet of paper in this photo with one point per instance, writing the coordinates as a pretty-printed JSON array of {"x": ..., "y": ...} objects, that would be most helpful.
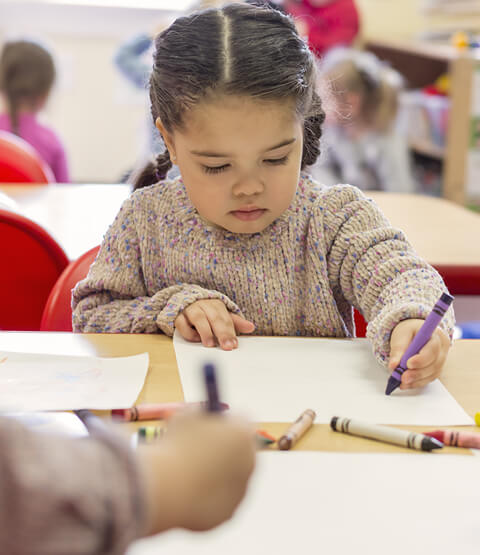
[
  {"x": 274, "y": 379},
  {"x": 64, "y": 423},
  {"x": 340, "y": 504},
  {"x": 30, "y": 382}
]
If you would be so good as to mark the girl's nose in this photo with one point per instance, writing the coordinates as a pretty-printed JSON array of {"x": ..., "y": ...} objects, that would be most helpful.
[{"x": 248, "y": 186}]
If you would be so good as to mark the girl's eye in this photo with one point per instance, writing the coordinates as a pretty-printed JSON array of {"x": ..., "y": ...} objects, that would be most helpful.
[
  {"x": 277, "y": 161},
  {"x": 215, "y": 169}
]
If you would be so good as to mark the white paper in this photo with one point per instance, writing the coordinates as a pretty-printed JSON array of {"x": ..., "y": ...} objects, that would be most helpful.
[
  {"x": 274, "y": 379},
  {"x": 31, "y": 382},
  {"x": 64, "y": 423},
  {"x": 341, "y": 504}
]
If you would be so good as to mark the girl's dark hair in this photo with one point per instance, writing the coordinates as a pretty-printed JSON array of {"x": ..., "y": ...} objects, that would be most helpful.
[
  {"x": 27, "y": 73},
  {"x": 238, "y": 49}
]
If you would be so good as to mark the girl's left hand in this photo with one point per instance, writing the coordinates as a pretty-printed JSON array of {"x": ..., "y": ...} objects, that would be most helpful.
[{"x": 425, "y": 366}]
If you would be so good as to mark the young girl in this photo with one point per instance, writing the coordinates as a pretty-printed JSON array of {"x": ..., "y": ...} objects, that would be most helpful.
[
  {"x": 362, "y": 146},
  {"x": 243, "y": 242},
  {"x": 27, "y": 74}
]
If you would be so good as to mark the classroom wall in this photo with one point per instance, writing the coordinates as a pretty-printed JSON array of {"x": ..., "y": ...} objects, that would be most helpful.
[
  {"x": 406, "y": 19},
  {"x": 99, "y": 115}
]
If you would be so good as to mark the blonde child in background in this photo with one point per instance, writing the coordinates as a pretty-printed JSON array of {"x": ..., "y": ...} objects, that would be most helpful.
[
  {"x": 62, "y": 495},
  {"x": 244, "y": 241},
  {"x": 362, "y": 145},
  {"x": 27, "y": 74}
]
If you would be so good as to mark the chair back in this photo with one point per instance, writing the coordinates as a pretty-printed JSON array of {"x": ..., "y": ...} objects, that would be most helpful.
[
  {"x": 30, "y": 263},
  {"x": 461, "y": 280},
  {"x": 57, "y": 314},
  {"x": 20, "y": 163}
]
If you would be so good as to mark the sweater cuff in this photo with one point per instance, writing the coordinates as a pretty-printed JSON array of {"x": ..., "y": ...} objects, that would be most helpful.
[
  {"x": 380, "y": 328},
  {"x": 184, "y": 298}
]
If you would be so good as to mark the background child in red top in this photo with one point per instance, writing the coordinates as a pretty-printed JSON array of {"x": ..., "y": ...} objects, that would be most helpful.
[{"x": 325, "y": 23}]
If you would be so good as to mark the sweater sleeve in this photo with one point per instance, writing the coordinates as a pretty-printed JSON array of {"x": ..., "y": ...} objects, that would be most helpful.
[
  {"x": 113, "y": 298},
  {"x": 375, "y": 269},
  {"x": 64, "y": 495}
]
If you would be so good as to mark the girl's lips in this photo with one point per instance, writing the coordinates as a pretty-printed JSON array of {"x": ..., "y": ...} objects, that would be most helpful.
[{"x": 248, "y": 215}]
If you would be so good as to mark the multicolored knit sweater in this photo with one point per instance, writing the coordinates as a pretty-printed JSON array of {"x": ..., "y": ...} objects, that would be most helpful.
[{"x": 330, "y": 250}]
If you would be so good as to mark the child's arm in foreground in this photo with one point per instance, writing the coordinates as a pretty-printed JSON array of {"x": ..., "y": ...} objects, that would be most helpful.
[
  {"x": 376, "y": 270},
  {"x": 113, "y": 298},
  {"x": 60, "y": 495}
]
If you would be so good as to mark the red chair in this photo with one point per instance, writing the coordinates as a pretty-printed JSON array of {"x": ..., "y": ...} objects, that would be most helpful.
[
  {"x": 57, "y": 314},
  {"x": 30, "y": 263},
  {"x": 20, "y": 163},
  {"x": 461, "y": 280},
  {"x": 360, "y": 324}
]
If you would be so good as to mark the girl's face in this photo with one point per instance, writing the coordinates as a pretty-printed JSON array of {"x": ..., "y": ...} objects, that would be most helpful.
[{"x": 240, "y": 160}]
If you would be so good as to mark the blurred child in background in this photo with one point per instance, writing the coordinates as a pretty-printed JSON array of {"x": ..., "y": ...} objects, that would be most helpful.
[
  {"x": 27, "y": 73},
  {"x": 361, "y": 144}
]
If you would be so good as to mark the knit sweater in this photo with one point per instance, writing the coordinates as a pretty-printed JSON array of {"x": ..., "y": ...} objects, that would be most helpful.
[
  {"x": 61, "y": 495},
  {"x": 331, "y": 250}
]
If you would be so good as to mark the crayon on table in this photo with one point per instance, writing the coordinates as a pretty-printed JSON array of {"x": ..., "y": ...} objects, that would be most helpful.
[
  {"x": 403, "y": 438},
  {"x": 157, "y": 411},
  {"x": 454, "y": 438},
  {"x": 421, "y": 338},
  {"x": 153, "y": 433},
  {"x": 296, "y": 430},
  {"x": 210, "y": 377},
  {"x": 263, "y": 438},
  {"x": 477, "y": 418},
  {"x": 150, "y": 433}
]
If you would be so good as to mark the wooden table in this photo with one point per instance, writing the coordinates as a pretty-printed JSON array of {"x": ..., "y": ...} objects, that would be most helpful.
[
  {"x": 76, "y": 215},
  {"x": 442, "y": 232},
  {"x": 461, "y": 376}
]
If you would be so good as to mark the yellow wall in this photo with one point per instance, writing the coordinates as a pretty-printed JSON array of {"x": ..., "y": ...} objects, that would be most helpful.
[{"x": 403, "y": 19}]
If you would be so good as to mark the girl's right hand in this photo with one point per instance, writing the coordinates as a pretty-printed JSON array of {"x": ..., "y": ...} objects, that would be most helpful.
[{"x": 209, "y": 321}]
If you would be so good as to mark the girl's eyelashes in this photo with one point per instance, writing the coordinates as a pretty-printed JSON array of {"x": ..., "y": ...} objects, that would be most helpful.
[
  {"x": 215, "y": 169},
  {"x": 271, "y": 162},
  {"x": 277, "y": 161}
]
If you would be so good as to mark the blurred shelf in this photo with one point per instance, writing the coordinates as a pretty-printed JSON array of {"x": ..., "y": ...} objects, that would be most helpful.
[
  {"x": 433, "y": 50},
  {"x": 422, "y": 63}
]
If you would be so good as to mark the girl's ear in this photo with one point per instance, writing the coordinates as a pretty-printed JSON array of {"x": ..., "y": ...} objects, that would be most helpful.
[{"x": 167, "y": 138}]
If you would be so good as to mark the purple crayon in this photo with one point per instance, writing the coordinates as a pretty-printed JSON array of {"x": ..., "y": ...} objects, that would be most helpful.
[
  {"x": 422, "y": 336},
  {"x": 213, "y": 402}
]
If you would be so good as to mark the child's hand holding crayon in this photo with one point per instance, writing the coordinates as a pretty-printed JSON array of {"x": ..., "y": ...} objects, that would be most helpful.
[
  {"x": 198, "y": 474},
  {"x": 425, "y": 366}
]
